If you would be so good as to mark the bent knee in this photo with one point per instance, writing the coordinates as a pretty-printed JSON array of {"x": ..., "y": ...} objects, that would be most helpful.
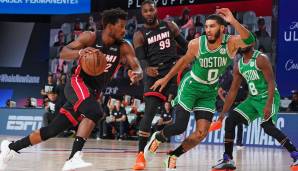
[{"x": 200, "y": 134}]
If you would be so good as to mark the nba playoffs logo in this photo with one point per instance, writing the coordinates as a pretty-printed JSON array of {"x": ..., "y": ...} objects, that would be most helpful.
[{"x": 222, "y": 51}]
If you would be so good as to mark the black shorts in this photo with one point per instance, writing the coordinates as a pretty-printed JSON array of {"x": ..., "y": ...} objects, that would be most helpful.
[
  {"x": 171, "y": 88},
  {"x": 81, "y": 102}
]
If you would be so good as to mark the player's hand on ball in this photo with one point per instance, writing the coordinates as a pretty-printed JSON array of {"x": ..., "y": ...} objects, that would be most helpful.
[
  {"x": 159, "y": 83},
  {"x": 83, "y": 52}
]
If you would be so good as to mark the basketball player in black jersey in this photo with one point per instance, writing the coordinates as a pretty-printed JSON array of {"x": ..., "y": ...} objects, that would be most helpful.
[
  {"x": 81, "y": 107},
  {"x": 155, "y": 44}
]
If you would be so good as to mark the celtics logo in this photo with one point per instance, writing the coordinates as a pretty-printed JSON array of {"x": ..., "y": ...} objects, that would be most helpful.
[
  {"x": 252, "y": 63},
  {"x": 222, "y": 51}
]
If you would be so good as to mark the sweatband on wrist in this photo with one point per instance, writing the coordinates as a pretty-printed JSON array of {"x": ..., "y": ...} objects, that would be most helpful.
[
  {"x": 182, "y": 42},
  {"x": 251, "y": 39}
]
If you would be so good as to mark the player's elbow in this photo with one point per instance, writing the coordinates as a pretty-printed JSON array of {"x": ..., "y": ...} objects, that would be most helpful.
[{"x": 62, "y": 54}]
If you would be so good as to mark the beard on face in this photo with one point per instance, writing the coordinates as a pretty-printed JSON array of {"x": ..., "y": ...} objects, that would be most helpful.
[
  {"x": 152, "y": 22},
  {"x": 113, "y": 35},
  {"x": 216, "y": 36}
]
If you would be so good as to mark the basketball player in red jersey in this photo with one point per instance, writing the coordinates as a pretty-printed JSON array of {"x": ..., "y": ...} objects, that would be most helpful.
[{"x": 81, "y": 89}]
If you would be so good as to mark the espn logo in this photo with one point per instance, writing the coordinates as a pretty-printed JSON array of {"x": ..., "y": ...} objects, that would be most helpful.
[{"x": 23, "y": 123}]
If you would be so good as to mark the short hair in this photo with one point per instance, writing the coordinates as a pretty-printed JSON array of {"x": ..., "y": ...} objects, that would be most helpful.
[
  {"x": 185, "y": 11},
  {"x": 218, "y": 19},
  {"x": 112, "y": 16},
  {"x": 148, "y": 2},
  {"x": 261, "y": 21}
]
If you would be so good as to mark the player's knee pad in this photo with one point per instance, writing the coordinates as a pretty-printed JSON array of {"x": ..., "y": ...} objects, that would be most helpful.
[
  {"x": 230, "y": 125},
  {"x": 91, "y": 109},
  {"x": 180, "y": 124},
  {"x": 181, "y": 119},
  {"x": 203, "y": 115},
  {"x": 59, "y": 124},
  {"x": 270, "y": 129},
  {"x": 48, "y": 132},
  {"x": 144, "y": 126},
  {"x": 152, "y": 104},
  {"x": 232, "y": 120},
  {"x": 239, "y": 119}
]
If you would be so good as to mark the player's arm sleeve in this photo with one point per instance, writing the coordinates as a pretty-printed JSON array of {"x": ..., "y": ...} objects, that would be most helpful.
[
  {"x": 140, "y": 53},
  {"x": 179, "y": 38},
  {"x": 182, "y": 42},
  {"x": 138, "y": 43}
]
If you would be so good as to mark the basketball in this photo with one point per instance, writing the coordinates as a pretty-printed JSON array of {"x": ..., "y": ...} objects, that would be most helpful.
[{"x": 93, "y": 64}]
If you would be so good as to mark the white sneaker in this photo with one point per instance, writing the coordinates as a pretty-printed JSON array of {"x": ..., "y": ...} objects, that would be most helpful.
[
  {"x": 151, "y": 147},
  {"x": 76, "y": 162},
  {"x": 6, "y": 154},
  {"x": 170, "y": 163},
  {"x": 240, "y": 147}
]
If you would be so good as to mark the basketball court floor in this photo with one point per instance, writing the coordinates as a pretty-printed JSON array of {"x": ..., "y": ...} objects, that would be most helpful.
[{"x": 113, "y": 155}]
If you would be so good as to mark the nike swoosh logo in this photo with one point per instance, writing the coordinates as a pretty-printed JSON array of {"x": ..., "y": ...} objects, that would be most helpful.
[
  {"x": 148, "y": 33},
  {"x": 98, "y": 46}
]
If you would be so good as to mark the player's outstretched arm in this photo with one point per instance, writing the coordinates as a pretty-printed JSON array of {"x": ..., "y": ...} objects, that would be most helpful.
[
  {"x": 192, "y": 52},
  {"x": 265, "y": 66},
  {"x": 78, "y": 47},
  {"x": 237, "y": 78}
]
